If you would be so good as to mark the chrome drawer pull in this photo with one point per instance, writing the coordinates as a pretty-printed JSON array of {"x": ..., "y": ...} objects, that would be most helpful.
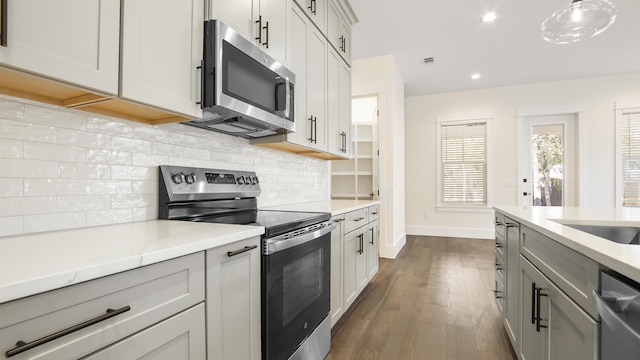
[
  {"x": 22, "y": 346},
  {"x": 244, "y": 249}
]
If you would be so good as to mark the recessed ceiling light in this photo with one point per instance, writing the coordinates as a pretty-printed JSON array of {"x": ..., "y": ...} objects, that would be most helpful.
[
  {"x": 475, "y": 76},
  {"x": 489, "y": 17}
]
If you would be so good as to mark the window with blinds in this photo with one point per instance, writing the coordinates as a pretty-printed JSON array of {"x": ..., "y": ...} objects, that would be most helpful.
[
  {"x": 629, "y": 127},
  {"x": 463, "y": 164}
]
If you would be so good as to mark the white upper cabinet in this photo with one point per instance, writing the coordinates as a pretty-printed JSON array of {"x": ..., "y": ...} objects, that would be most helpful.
[
  {"x": 338, "y": 105},
  {"x": 309, "y": 63},
  {"x": 339, "y": 31},
  {"x": 264, "y": 22},
  {"x": 317, "y": 12},
  {"x": 72, "y": 40},
  {"x": 162, "y": 43}
]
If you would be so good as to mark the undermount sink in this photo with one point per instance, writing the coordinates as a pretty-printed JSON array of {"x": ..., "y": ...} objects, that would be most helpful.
[{"x": 620, "y": 234}]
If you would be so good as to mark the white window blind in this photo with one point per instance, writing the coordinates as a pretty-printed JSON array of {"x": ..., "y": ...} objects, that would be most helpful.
[
  {"x": 630, "y": 148},
  {"x": 463, "y": 161}
]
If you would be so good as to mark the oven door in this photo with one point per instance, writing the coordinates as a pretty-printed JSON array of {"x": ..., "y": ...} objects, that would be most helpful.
[{"x": 295, "y": 283}]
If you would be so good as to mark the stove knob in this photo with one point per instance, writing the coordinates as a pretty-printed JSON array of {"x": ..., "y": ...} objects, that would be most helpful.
[
  {"x": 241, "y": 180},
  {"x": 190, "y": 178},
  {"x": 177, "y": 178}
]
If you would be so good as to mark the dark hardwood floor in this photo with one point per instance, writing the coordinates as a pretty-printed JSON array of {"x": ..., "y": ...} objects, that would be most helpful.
[{"x": 434, "y": 301}]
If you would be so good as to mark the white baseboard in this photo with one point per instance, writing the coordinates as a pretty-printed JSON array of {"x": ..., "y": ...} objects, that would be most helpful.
[
  {"x": 474, "y": 233},
  {"x": 390, "y": 252}
]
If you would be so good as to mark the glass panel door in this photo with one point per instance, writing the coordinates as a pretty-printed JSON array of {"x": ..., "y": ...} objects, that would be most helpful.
[{"x": 547, "y": 165}]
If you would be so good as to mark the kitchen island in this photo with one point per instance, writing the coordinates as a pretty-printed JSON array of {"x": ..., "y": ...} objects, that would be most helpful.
[{"x": 548, "y": 275}]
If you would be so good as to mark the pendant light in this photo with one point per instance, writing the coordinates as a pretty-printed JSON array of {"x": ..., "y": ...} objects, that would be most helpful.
[{"x": 579, "y": 20}]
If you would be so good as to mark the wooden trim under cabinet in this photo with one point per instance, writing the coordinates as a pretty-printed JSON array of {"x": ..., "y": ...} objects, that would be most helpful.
[{"x": 37, "y": 88}]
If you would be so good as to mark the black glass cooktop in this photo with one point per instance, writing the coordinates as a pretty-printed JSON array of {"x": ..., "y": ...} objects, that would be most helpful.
[{"x": 275, "y": 222}]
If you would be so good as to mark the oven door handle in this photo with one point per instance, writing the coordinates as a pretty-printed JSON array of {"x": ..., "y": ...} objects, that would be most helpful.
[
  {"x": 615, "y": 322},
  {"x": 281, "y": 242}
]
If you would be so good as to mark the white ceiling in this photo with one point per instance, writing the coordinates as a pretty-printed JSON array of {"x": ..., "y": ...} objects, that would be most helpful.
[{"x": 508, "y": 51}]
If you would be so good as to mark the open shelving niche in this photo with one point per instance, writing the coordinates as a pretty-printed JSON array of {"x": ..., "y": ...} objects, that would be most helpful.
[{"x": 357, "y": 178}]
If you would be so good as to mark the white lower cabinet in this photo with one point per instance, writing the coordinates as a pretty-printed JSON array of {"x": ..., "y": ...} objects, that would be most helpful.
[
  {"x": 337, "y": 269},
  {"x": 233, "y": 301},
  {"x": 360, "y": 249},
  {"x": 179, "y": 337},
  {"x": 78, "y": 320}
]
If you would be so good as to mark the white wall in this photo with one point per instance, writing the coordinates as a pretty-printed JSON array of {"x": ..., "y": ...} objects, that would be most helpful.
[
  {"x": 595, "y": 95},
  {"x": 380, "y": 76},
  {"x": 63, "y": 169}
]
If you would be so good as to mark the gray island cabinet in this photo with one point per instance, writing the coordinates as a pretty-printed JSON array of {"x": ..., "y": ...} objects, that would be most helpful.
[{"x": 543, "y": 290}]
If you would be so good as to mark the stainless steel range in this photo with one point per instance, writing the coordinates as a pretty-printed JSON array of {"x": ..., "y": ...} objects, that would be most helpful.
[{"x": 296, "y": 250}]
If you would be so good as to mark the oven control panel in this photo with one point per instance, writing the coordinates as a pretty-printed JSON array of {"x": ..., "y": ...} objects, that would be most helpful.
[{"x": 191, "y": 183}]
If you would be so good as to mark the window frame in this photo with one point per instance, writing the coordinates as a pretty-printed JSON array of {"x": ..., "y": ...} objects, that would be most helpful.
[
  {"x": 464, "y": 207},
  {"x": 620, "y": 112}
]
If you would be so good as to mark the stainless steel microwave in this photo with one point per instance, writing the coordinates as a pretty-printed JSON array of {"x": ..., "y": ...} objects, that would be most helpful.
[{"x": 245, "y": 92}]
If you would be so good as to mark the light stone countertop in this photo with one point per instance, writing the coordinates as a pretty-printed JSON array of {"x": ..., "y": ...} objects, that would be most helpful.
[
  {"x": 333, "y": 206},
  {"x": 623, "y": 258},
  {"x": 34, "y": 263}
]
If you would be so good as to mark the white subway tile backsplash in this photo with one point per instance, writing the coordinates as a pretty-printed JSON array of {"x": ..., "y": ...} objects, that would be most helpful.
[
  {"x": 130, "y": 201},
  {"x": 106, "y": 217},
  {"x": 129, "y": 144},
  {"x": 27, "y": 205},
  {"x": 109, "y": 127},
  {"x": 11, "y": 148},
  {"x": 84, "y": 171},
  {"x": 27, "y": 131},
  {"x": 44, "y": 151},
  {"x": 27, "y": 168},
  {"x": 55, "y": 117},
  {"x": 84, "y": 138},
  {"x": 114, "y": 157},
  {"x": 134, "y": 172},
  {"x": 11, "y": 225},
  {"x": 10, "y": 187},
  {"x": 63, "y": 168},
  {"x": 11, "y": 110},
  {"x": 108, "y": 187},
  {"x": 84, "y": 203},
  {"x": 50, "y": 222}
]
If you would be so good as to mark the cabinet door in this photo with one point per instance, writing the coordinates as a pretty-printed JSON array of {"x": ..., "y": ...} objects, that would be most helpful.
[
  {"x": 317, "y": 88},
  {"x": 372, "y": 244},
  {"x": 345, "y": 106},
  {"x": 337, "y": 273},
  {"x": 275, "y": 19},
  {"x": 316, "y": 10},
  {"x": 512, "y": 259},
  {"x": 76, "y": 41},
  {"x": 533, "y": 341},
  {"x": 298, "y": 62},
  {"x": 161, "y": 50},
  {"x": 355, "y": 266},
  {"x": 233, "y": 301},
  {"x": 572, "y": 333},
  {"x": 237, "y": 14},
  {"x": 338, "y": 105},
  {"x": 179, "y": 337}
]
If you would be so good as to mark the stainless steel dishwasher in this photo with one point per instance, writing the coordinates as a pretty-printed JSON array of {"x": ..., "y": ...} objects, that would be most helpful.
[{"x": 619, "y": 309}]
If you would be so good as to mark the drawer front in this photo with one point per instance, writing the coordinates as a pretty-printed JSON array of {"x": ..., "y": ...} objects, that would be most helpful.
[
  {"x": 499, "y": 294},
  {"x": 373, "y": 213},
  {"x": 501, "y": 245},
  {"x": 572, "y": 272},
  {"x": 499, "y": 223},
  {"x": 500, "y": 266},
  {"x": 179, "y": 337},
  {"x": 355, "y": 219},
  {"x": 143, "y": 296}
]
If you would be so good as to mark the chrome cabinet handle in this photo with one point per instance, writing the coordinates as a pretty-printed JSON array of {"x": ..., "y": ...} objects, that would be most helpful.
[
  {"x": 244, "y": 249},
  {"x": 22, "y": 346},
  {"x": 314, "y": 129}
]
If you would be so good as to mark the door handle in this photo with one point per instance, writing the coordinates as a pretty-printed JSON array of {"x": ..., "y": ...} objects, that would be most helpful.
[
  {"x": 266, "y": 35},
  {"x": 533, "y": 303},
  {"x": 259, "y": 22},
  {"x": 539, "y": 318},
  {"x": 4, "y": 14}
]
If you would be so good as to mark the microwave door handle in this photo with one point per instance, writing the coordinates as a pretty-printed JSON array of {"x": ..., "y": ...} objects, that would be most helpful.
[{"x": 287, "y": 97}]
